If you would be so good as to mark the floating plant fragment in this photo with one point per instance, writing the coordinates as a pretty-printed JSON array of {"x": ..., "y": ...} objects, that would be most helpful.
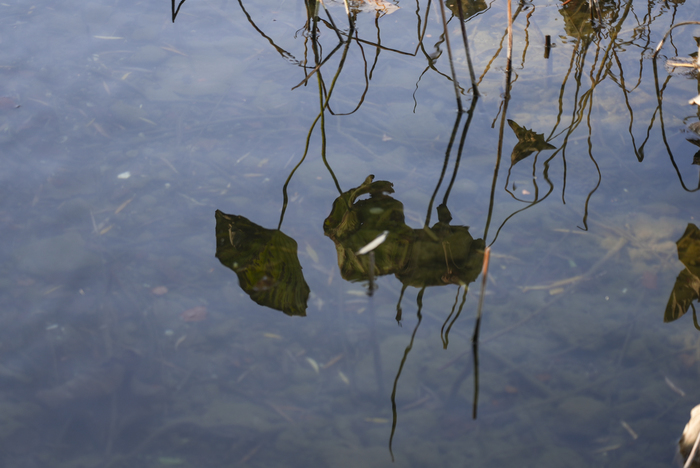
[{"x": 528, "y": 143}]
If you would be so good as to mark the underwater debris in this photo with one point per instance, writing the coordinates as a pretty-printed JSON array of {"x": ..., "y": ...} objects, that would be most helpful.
[{"x": 100, "y": 382}]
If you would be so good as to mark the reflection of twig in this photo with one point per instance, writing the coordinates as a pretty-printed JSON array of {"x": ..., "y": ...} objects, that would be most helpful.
[
  {"x": 600, "y": 177},
  {"x": 174, "y": 10},
  {"x": 449, "y": 55},
  {"x": 625, "y": 92},
  {"x": 467, "y": 124},
  {"x": 458, "y": 158},
  {"x": 318, "y": 66},
  {"x": 500, "y": 44},
  {"x": 444, "y": 334},
  {"x": 499, "y": 152},
  {"x": 419, "y": 301},
  {"x": 659, "y": 101},
  {"x": 280, "y": 50},
  {"x": 460, "y": 9},
  {"x": 320, "y": 116},
  {"x": 350, "y": 38},
  {"x": 444, "y": 168},
  {"x": 477, "y": 328},
  {"x": 364, "y": 93},
  {"x": 609, "y": 254},
  {"x": 658, "y": 47}
]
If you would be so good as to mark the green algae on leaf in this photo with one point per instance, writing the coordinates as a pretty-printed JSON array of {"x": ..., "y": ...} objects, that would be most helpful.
[
  {"x": 429, "y": 256},
  {"x": 265, "y": 261}
]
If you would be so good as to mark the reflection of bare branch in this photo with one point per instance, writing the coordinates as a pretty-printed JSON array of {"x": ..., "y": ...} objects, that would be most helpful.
[
  {"x": 627, "y": 103},
  {"x": 603, "y": 57},
  {"x": 324, "y": 99},
  {"x": 504, "y": 37},
  {"x": 460, "y": 8},
  {"x": 357, "y": 39},
  {"x": 432, "y": 59},
  {"x": 449, "y": 54},
  {"x": 445, "y": 334},
  {"x": 318, "y": 66},
  {"x": 174, "y": 10},
  {"x": 477, "y": 328},
  {"x": 286, "y": 55},
  {"x": 419, "y": 301},
  {"x": 364, "y": 92},
  {"x": 661, "y": 44},
  {"x": 600, "y": 177},
  {"x": 458, "y": 158},
  {"x": 659, "y": 101},
  {"x": 499, "y": 151},
  {"x": 377, "y": 49},
  {"x": 444, "y": 168},
  {"x": 467, "y": 124}
]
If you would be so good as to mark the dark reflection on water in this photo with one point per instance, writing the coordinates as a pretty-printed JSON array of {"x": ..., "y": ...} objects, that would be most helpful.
[{"x": 124, "y": 342}]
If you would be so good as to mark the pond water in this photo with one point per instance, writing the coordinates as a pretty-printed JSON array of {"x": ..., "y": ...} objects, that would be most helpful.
[{"x": 181, "y": 282}]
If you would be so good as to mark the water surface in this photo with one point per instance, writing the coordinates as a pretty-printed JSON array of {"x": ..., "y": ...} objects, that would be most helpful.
[{"x": 125, "y": 341}]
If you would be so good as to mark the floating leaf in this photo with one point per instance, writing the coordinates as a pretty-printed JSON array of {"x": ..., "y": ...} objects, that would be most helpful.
[
  {"x": 265, "y": 261},
  {"x": 469, "y": 7},
  {"x": 687, "y": 286},
  {"x": 440, "y": 255}
]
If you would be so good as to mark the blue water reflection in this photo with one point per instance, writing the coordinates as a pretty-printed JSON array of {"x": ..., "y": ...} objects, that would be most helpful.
[{"x": 125, "y": 342}]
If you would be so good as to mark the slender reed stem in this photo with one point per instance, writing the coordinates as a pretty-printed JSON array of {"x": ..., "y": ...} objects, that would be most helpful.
[{"x": 510, "y": 36}]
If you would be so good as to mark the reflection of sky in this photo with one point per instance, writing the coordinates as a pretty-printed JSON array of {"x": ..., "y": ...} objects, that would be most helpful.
[{"x": 132, "y": 131}]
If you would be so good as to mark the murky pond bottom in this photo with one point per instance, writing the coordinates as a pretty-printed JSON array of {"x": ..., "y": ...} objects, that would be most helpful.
[{"x": 142, "y": 327}]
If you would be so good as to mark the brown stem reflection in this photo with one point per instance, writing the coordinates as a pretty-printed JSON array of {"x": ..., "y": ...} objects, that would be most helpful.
[
  {"x": 659, "y": 99},
  {"x": 594, "y": 59}
]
